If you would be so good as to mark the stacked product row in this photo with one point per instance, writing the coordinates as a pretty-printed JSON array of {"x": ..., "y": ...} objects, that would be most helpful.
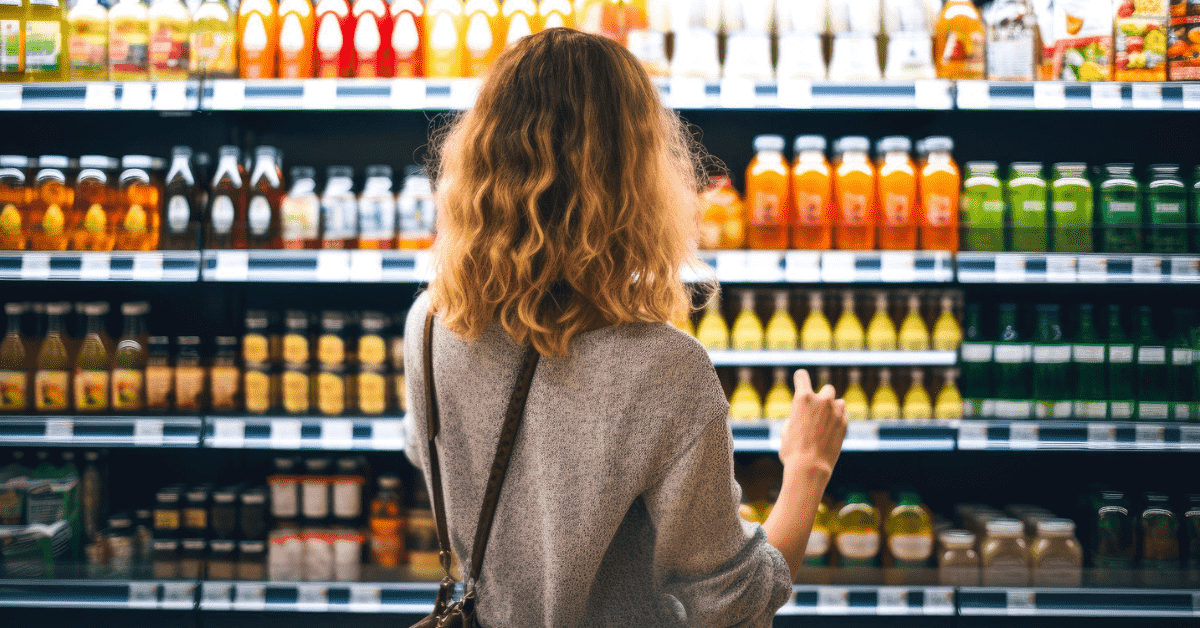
[
  {"x": 55, "y": 203},
  {"x": 1039, "y": 371}
]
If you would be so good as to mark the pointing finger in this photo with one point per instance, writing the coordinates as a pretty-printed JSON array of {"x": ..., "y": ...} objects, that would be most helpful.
[
  {"x": 826, "y": 392},
  {"x": 803, "y": 382}
]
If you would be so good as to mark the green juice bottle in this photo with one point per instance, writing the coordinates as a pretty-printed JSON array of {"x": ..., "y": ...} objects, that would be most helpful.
[
  {"x": 1182, "y": 364},
  {"x": 1026, "y": 193},
  {"x": 1194, "y": 211},
  {"x": 1051, "y": 359},
  {"x": 983, "y": 210},
  {"x": 1166, "y": 201},
  {"x": 1072, "y": 197},
  {"x": 975, "y": 359},
  {"x": 1012, "y": 357},
  {"x": 45, "y": 41},
  {"x": 1120, "y": 368},
  {"x": 1153, "y": 372},
  {"x": 12, "y": 41},
  {"x": 857, "y": 538},
  {"x": 1120, "y": 210},
  {"x": 1087, "y": 357}
]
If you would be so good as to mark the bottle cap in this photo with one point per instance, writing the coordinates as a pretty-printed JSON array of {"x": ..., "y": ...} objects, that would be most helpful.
[
  {"x": 316, "y": 465},
  {"x": 135, "y": 308},
  {"x": 373, "y": 321},
  {"x": 57, "y": 309},
  {"x": 229, "y": 151},
  {"x": 190, "y": 342},
  {"x": 254, "y": 497},
  {"x": 266, "y": 151},
  {"x": 94, "y": 161},
  {"x": 389, "y": 481},
  {"x": 1055, "y": 527},
  {"x": 1027, "y": 167},
  {"x": 285, "y": 464},
  {"x": 768, "y": 143},
  {"x": 159, "y": 342},
  {"x": 852, "y": 143},
  {"x": 809, "y": 142},
  {"x": 1004, "y": 527},
  {"x": 181, "y": 151},
  {"x": 302, "y": 172},
  {"x": 983, "y": 166},
  {"x": 98, "y": 308},
  {"x": 14, "y": 161},
  {"x": 137, "y": 161},
  {"x": 335, "y": 172},
  {"x": 15, "y": 308},
  {"x": 892, "y": 144},
  {"x": 226, "y": 341},
  {"x": 1165, "y": 170},
  {"x": 380, "y": 171},
  {"x": 53, "y": 161},
  {"x": 957, "y": 539},
  {"x": 939, "y": 143}
]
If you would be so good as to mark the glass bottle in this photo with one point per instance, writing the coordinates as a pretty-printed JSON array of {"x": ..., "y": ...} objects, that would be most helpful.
[
  {"x": 812, "y": 195},
  {"x": 909, "y": 531},
  {"x": 263, "y": 229},
  {"x": 91, "y": 223},
  {"x": 87, "y": 27},
  {"x": 170, "y": 34},
  {"x": 45, "y": 41},
  {"x": 914, "y": 335},
  {"x": 1113, "y": 537},
  {"x": 300, "y": 211},
  {"x": 1056, "y": 556},
  {"x": 958, "y": 562},
  {"x": 52, "y": 198},
  {"x": 975, "y": 360},
  {"x": 747, "y": 333},
  {"x": 14, "y": 363},
  {"x": 387, "y": 523},
  {"x": 854, "y": 195},
  {"x": 1004, "y": 555},
  {"x": 128, "y": 41},
  {"x": 712, "y": 332},
  {"x": 782, "y": 334},
  {"x": 767, "y": 195},
  {"x": 331, "y": 386},
  {"x": 1158, "y": 533},
  {"x": 1012, "y": 32},
  {"x": 983, "y": 207},
  {"x": 92, "y": 364},
  {"x": 940, "y": 195},
  {"x": 12, "y": 42},
  {"x": 885, "y": 405},
  {"x": 129, "y": 360},
  {"x": 224, "y": 377},
  {"x": 226, "y": 223},
  {"x": 958, "y": 44},
  {"x": 139, "y": 206},
  {"x": 778, "y": 405},
  {"x": 416, "y": 211},
  {"x": 213, "y": 50},
  {"x": 1121, "y": 214},
  {"x": 1183, "y": 371},
  {"x": 259, "y": 385},
  {"x": 1087, "y": 358},
  {"x": 857, "y": 407},
  {"x": 1012, "y": 357},
  {"x": 183, "y": 204},
  {"x": 52, "y": 380},
  {"x": 339, "y": 209},
  {"x": 897, "y": 194},
  {"x": 1153, "y": 371},
  {"x": 947, "y": 334},
  {"x": 1166, "y": 204},
  {"x": 1026, "y": 194},
  {"x": 917, "y": 404},
  {"x": 949, "y": 402},
  {"x": 295, "y": 378},
  {"x": 190, "y": 377},
  {"x": 857, "y": 531},
  {"x": 372, "y": 364},
  {"x": 881, "y": 331},
  {"x": 1072, "y": 203},
  {"x": 1120, "y": 368},
  {"x": 14, "y": 201},
  {"x": 816, "y": 334},
  {"x": 160, "y": 375},
  {"x": 1051, "y": 357},
  {"x": 745, "y": 403},
  {"x": 848, "y": 333},
  {"x": 377, "y": 210}
]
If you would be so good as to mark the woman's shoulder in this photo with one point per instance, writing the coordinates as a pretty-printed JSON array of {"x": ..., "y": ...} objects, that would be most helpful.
[
  {"x": 665, "y": 363},
  {"x": 414, "y": 324}
]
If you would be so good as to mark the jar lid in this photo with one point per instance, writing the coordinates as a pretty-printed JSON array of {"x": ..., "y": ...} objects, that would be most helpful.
[
  {"x": 773, "y": 143},
  {"x": 120, "y": 521},
  {"x": 1055, "y": 527},
  {"x": 169, "y": 495},
  {"x": 809, "y": 142},
  {"x": 893, "y": 143},
  {"x": 221, "y": 546},
  {"x": 254, "y": 497},
  {"x": 14, "y": 161},
  {"x": 198, "y": 494},
  {"x": 165, "y": 545},
  {"x": 226, "y": 495},
  {"x": 389, "y": 481},
  {"x": 285, "y": 463},
  {"x": 855, "y": 143},
  {"x": 1004, "y": 527},
  {"x": 316, "y": 465},
  {"x": 252, "y": 547},
  {"x": 347, "y": 464},
  {"x": 957, "y": 539},
  {"x": 193, "y": 545}
]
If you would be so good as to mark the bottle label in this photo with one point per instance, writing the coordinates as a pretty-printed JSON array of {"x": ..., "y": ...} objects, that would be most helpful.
[
  {"x": 258, "y": 215},
  {"x": 1088, "y": 354},
  {"x": 285, "y": 502},
  {"x": 12, "y": 391},
  {"x": 1013, "y": 409},
  {"x": 1051, "y": 354},
  {"x": 858, "y": 546},
  {"x": 295, "y": 392},
  {"x": 224, "y": 386},
  {"x": 169, "y": 49},
  {"x": 1013, "y": 354},
  {"x": 91, "y": 390},
  {"x": 189, "y": 384},
  {"x": 1167, "y": 208},
  {"x": 128, "y": 389},
  {"x": 10, "y": 45},
  {"x": 1118, "y": 207},
  {"x": 854, "y": 208},
  {"x": 1053, "y": 409},
  {"x": 53, "y": 220},
  {"x": 406, "y": 42},
  {"x": 179, "y": 214},
  {"x": 341, "y": 217},
  {"x": 315, "y": 497},
  {"x": 88, "y": 50},
  {"x": 417, "y": 215},
  {"x": 258, "y": 392},
  {"x": 158, "y": 387},
  {"x": 95, "y": 220},
  {"x": 1152, "y": 355},
  {"x": 1121, "y": 410},
  {"x": 766, "y": 207},
  {"x": 254, "y": 348},
  {"x": 938, "y": 209},
  {"x": 913, "y": 548},
  {"x": 43, "y": 46},
  {"x": 300, "y": 217},
  {"x": 1010, "y": 56},
  {"x": 331, "y": 393},
  {"x": 212, "y": 51},
  {"x": 222, "y": 215},
  {"x": 1181, "y": 357},
  {"x": 1120, "y": 354},
  {"x": 377, "y": 217},
  {"x": 128, "y": 49},
  {"x": 818, "y": 542},
  {"x": 1065, "y": 207},
  {"x": 372, "y": 395},
  {"x": 331, "y": 350},
  {"x": 1095, "y": 410},
  {"x": 1181, "y": 412},
  {"x": 1153, "y": 411},
  {"x": 135, "y": 220},
  {"x": 10, "y": 219},
  {"x": 347, "y": 497},
  {"x": 50, "y": 388},
  {"x": 371, "y": 350},
  {"x": 295, "y": 349},
  {"x": 976, "y": 352}
]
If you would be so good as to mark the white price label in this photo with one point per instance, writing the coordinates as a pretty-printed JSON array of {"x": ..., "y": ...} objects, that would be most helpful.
[
  {"x": 1147, "y": 269},
  {"x": 837, "y": 267},
  {"x": 216, "y": 596},
  {"x": 387, "y": 435},
  {"x": 337, "y": 433},
  {"x": 737, "y": 93},
  {"x": 1101, "y": 435},
  {"x": 939, "y": 601},
  {"x": 10, "y": 97},
  {"x": 137, "y": 95},
  {"x": 1023, "y": 435},
  {"x": 898, "y": 266},
  {"x": 365, "y": 598},
  {"x": 408, "y": 93},
  {"x": 228, "y": 94},
  {"x": 972, "y": 435},
  {"x": 802, "y": 267},
  {"x": 366, "y": 266},
  {"x": 1106, "y": 96},
  {"x": 285, "y": 433},
  {"x": 250, "y": 596},
  {"x": 1147, "y": 96},
  {"x": 1021, "y": 602},
  {"x": 832, "y": 600},
  {"x": 892, "y": 601},
  {"x": 1191, "y": 96},
  {"x": 333, "y": 266},
  {"x": 1060, "y": 268},
  {"x": 143, "y": 595},
  {"x": 59, "y": 429},
  {"x": 794, "y": 94},
  {"x": 232, "y": 266},
  {"x": 147, "y": 267},
  {"x": 1092, "y": 269},
  {"x": 1185, "y": 269},
  {"x": 178, "y": 595},
  {"x": 170, "y": 96},
  {"x": 1049, "y": 96},
  {"x": 1153, "y": 435},
  {"x": 312, "y": 598},
  {"x": 1010, "y": 268},
  {"x": 974, "y": 95},
  {"x": 731, "y": 266},
  {"x": 94, "y": 266},
  {"x": 862, "y": 436},
  {"x": 463, "y": 92},
  {"x": 35, "y": 266},
  {"x": 764, "y": 266},
  {"x": 688, "y": 92},
  {"x": 932, "y": 94},
  {"x": 319, "y": 94},
  {"x": 148, "y": 432},
  {"x": 100, "y": 96},
  {"x": 1189, "y": 436},
  {"x": 229, "y": 433}
]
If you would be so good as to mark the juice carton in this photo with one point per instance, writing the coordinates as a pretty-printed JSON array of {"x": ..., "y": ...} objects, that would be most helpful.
[
  {"x": 1077, "y": 44},
  {"x": 1183, "y": 42},
  {"x": 1140, "y": 40}
]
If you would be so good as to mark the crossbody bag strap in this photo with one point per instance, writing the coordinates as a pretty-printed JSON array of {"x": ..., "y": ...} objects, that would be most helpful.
[{"x": 435, "y": 469}]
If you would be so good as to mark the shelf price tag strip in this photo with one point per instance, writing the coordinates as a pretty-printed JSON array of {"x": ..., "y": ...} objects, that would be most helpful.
[
  {"x": 178, "y": 595},
  {"x": 216, "y": 596}
]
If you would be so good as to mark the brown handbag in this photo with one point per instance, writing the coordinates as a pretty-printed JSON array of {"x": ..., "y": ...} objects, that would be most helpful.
[{"x": 461, "y": 614}]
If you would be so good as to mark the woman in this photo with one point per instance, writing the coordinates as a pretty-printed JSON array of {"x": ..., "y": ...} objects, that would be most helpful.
[{"x": 568, "y": 207}]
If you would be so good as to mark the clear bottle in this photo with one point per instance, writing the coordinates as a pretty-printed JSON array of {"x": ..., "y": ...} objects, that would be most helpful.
[
  {"x": 263, "y": 229},
  {"x": 747, "y": 333},
  {"x": 782, "y": 334},
  {"x": 745, "y": 404},
  {"x": 377, "y": 210},
  {"x": 87, "y": 25},
  {"x": 799, "y": 26},
  {"x": 214, "y": 34},
  {"x": 183, "y": 204},
  {"x": 1166, "y": 204},
  {"x": 128, "y": 41},
  {"x": 52, "y": 379},
  {"x": 1114, "y": 545},
  {"x": 91, "y": 378},
  {"x": 1004, "y": 555},
  {"x": 857, "y": 532},
  {"x": 958, "y": 562},
  {"x": 767, "y": 195},
  {"x": 857, "y": 407},
  {"x": 52, "y": 198},
  {"x": 694, "y": 26},
  {"x": 300, "y": 211},
  {"x": 14, "y": 200},
  {"x": 14, "y": 363},
  {"x": 190, "y": 376},
  {"x": 885, "y": 405},
  {"x": 226, "y": 221},
  {"x": 816, "y": 334},
  {"x": 983, "y": 208},
  {"x": 1158, "y": 533},
  {"x": 949, "y": 402},
  {"x": 848, "y": 333},
  {"x": 416, "y": 211},
  {"x": 138, "y": 207},
  {"x": 909, "y": 531},
  {"x": 712, "y": 332},
  {"x": 1121, "y": 210},
  {"x": 723, "y": 222},
  {"x": 778, "y": 405},
  {"x": 917, "y": 404},
  {"x": 339, "y": 209},
  {"x": 129, "y": 360},
  {"x": 160, "y": 374},
  {"x": 1012, "y": 32},
  {"x": 45, "y": 41},
  {"x": 1056, "y": 556},
  {"x": 914, "y": 335},
  {"x": 881, "y": 331},
  {"x": 1072, "y": 200},
  {"x": 170, "y": 35}
]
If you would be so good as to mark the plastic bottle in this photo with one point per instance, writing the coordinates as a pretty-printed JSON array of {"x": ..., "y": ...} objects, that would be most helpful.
[
  {"x": 747, "y": 332},
  {"x": 339, "y": 209},
  {"x": 297, "y": 30},
  {"x": 1166, "y": 206},
  {"x": 139, "y": 206},
  {"x": 747, "y": 39},
  {"x": 46, "y": 57},
  {"x": 767, "y": 195},
  {"x": 170, "y": 30},
  {"x": 816, "y": 334},
  {"x": 417, "y": 214},
  {"x": 897, "y": 194},
  {"x": 854, "y": 192},
  {"x": 983, "y": 208},
  {"x": 855, "y": 26},
  {"x": 949, "y": 402},
  {"x": 917, "y": 404},
  {"x": 445, "y": 48},
  {"x": 300, "y": 212},
  {"x": 800, "y": 26},
  {"x": 258, "y": 38},
  {"x": 857, "y": 407},
  {"x": 881, "y": 331},
  {"x": 940, "y": 195},
  {"x": 812, "y": 195},
  {"x": 958, "y": 44},
  {"x": 848, "y": 334},
  {"x": 128, "y": 41},
  {"x": 373, "y": 56},
  {"x": 646, "y": 26},
  {"x": 334, "y": 55},
  {"x": 914, "y": 335},
  {"x": 712, "y": 331},
  {"x": 1072, "y": 201},
  {"x": 87, "y": 27},
  {"x": 947, "y": 334},
  {"x": 744, "y": 403},
  {"x": 484, "y": 38},
  {"x": 782, "y": 334},
  {"x": 408, "y": 35},
  {"x": 778, "y": 406},
  {"x": 377, "y": 210},
  {"x": 519, "y": 16},
  {"x": 214, "y": 45},
  {"x": 1026, "y": 194},
  {"x": 908, "y": 26},
  {"x": 1012, "y": 32},
  {"x": 263, "y": 211},
  {"x": 885, "y": 405}
]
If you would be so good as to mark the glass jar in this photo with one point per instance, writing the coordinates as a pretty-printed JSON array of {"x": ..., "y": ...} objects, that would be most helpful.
[
  {"x": 1158, "y": 533},
  {"x": 285, "y": 488},
  {"x": 958, "y": 562},
  {"x": 224, "y": 512},
  {"x": 314, "y": 490},
  {"x": 1004, "y": 556},
  {"x": 1114, "y": 537},
  {"x": 221, "y": 559},
  {"x": 1121, "y": 213},
  {"x": 252, "y": 560},
  {"x": 195, "y": 511},
  {"x": 1056, "y": 556},
  {"x": 346, "y": 488},
  {"x": 167, "y": 518},
  {"x": 254, "y": 514},
  {"x": 165, "y": 559},
  {"x": 191, "y": 558},
  {"x": 120, "y": 541}
]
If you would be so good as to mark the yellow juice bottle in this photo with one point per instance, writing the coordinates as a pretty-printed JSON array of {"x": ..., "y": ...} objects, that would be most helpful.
[
  {"x": 519, "y": 18},
  {"x": 744, "y": 403},
  {"x": 778, "y": 405},
  {"x": 213, "y": 50},
  {"x": 91, "y": 390},
  {"x": 14, "y": 362},
  {"x": 917, "y": 404},
  {"x": 554, "y": 14},
  {"x": 52, "y": 377},
  {"x": 949, "y": 404},
  {"x": 782, "y": 334},
  {"x": 885, "y": 405},
  {"x": 747, "y": 329},
  {"x": 87, "y": 25},
  {"x": 258, "y": 37},
  {"x": 712, "y": 332},
  {"x": 857, "y": 532},
  {"x": 445, "y": 50},
  {"x": 129, "y": 41},
  {"x": 909, "y": 530},
  {"x": 817, "y": 551},
  {"x": 914, "y": 335},
  {"x": 848, "y": 334},
  {"x": 816, "y": 334},
  {"x": 46, "y": 40},
  {"x": 947, "y": 333},
  {"x": 857, "y": 408},
  {"x": 170, "y": 31},
  {"x": 484, "y": 38},
  {"x": 881, "y": 331}
]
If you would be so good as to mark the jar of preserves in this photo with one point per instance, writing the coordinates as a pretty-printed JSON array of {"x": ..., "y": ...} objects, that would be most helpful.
[
  {"x": 958, "y": 562},
  {"x": 1004, "y": 556},
  {"x": 1056, "y": 556}
]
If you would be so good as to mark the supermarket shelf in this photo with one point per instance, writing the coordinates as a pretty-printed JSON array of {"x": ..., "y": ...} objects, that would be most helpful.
[
  {"x": 314, "y": 597},
  {"x": 833, "y": 358},
  {"x": 927, "y": 435},
  {"x": 101, "y": 96},
  {"x": 317, "y": 266},
  {"x": 978, "y": 267},
  {"x": 697, "y": 93},
  {"x": 371, "y": 434},
  {"x": 1077, "y": 436},
  {"x": 108, "y": 594},
  {"x": 869, "y": 600},
  {"x": 827, "y": 266},
  {"x": 1054, "y": 95},
  {"x": 122, "y": 431},
  {"x": 87, "y": 266},
  {"x": 1047, "y": 602}
]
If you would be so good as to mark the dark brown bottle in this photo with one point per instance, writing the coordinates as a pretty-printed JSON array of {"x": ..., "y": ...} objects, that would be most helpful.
[
  {"x": 226, "y": 219},
  {"x": 182, "y": 204},
  {"x": 266, "y": 194}
]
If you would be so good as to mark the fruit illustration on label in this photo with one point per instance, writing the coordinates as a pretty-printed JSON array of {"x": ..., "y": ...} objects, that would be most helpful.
[
  {"x": 10, "y": 220},
  {"x": 135, "y": 220},
  {"x": 52, "y": 221},
  {"x": 95, "y": 219}
]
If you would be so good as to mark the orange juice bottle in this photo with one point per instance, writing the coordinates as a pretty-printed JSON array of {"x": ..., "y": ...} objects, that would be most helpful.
[
  {"x": 90, "y": 222},
  {"x": 484, "y": 37},
  {"x": 958, "y": 41},
  {"x": 812, "y": 195},
  {"x": 519, "y": 18},
  {"x": 939, "y": 185},
  {"x": 767, "y": 195},
  {"x": 14, "y": 201},
  {"x": 408, "y": 27},
  {"x": 854, "y": 195},
  {"x": 554, "y": 14},
  {"x": 52, "y": 198},
  {"x": 138, "y": 207},
  {"x": 723, "y": 224},
  {"x": 297, "y": 25},
  {"x": 334, "y": 40},
  {"x": 258, "y": 38},
  {"x": 897, "y": 195},
  {"x": 372, "y": 39},
  {"x": 599, "y": 17},
  {"x": 444, "y": 46}
]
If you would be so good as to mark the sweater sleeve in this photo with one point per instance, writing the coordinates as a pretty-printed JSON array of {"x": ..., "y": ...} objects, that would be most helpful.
[{"x": 717, "y": 565}]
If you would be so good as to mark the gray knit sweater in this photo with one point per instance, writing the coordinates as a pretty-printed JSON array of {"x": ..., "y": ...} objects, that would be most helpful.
[{"x": 620, "y": 507}]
